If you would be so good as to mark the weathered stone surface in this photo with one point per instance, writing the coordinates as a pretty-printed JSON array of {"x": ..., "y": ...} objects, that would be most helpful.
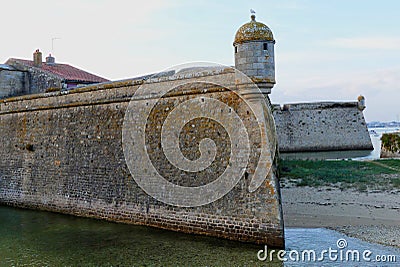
[
  {"x": 252, "y": 59},
  {"x": 321, "y": 126},
  {"x": 39, "y": 80},
  {"x": 12, "y": 82},
  {"x": 62, "y": 152}
]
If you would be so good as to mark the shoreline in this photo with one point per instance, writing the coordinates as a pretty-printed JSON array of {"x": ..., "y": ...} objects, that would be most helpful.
[{"x": 372, "y": 216}]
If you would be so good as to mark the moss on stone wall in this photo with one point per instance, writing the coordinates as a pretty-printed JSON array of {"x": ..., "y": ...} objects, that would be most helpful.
[
  {"x": 391, "y": 142},
  {"x": 53, "y": 89}
]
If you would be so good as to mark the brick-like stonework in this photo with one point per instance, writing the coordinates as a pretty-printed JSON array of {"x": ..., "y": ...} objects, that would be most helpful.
[
  {"x": 252, "y": 59},
  {"x": 322, "y": 126},
  {"x": 62, "y": 152},
  {"x": 255, "y": 61}
]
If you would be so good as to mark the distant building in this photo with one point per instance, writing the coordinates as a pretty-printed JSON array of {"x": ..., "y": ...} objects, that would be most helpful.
[{"x": 20, "y": 76}]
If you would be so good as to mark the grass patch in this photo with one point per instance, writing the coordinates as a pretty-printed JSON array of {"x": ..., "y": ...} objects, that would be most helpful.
[
  {"x": 390, "y": 162},
  {"x": 361, "y": 175}
]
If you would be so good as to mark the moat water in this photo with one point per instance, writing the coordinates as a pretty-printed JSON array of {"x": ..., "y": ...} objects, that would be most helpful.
[{"x": 35, "y": 238}]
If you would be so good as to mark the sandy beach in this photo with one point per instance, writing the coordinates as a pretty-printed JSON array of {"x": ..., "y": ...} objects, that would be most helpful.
[{"x": 373, "y": 216}]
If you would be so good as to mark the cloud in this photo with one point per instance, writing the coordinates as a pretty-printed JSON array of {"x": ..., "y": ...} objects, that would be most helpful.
[{"x": 384, "y": 43}]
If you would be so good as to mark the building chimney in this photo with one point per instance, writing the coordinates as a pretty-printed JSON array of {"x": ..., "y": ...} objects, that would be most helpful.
[
  {"x": 37, "y": 58},
  {"x": 50, "y": 60}
]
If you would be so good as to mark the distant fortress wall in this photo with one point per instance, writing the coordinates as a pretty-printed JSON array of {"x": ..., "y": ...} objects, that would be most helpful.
[
  {"x": 63, "y": 152},
  {"x": 322, "y": 126}
]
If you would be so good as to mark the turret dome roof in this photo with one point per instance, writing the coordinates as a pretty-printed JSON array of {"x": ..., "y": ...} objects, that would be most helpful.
[{"x": 253, "y": 31}]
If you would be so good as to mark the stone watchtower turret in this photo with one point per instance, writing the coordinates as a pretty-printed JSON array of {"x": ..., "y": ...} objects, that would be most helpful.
[{"x": 254, "y": 54}]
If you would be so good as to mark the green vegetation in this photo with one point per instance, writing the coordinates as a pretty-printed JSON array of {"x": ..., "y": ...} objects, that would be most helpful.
[
  {"x": 361, "y": 175},
  {"x": 391, "y": 141}
]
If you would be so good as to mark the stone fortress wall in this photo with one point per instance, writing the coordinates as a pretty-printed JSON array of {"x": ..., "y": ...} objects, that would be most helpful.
[
  {"x": 321, "y": 126},
  {"x": 62, "y": 152}
]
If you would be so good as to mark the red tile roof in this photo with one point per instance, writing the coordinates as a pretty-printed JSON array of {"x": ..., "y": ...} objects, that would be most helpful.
[{"x": 65, "y": 71}]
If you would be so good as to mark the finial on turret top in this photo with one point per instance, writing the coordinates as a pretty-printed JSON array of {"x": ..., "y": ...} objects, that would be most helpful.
[{"x": 253, "y": 16}]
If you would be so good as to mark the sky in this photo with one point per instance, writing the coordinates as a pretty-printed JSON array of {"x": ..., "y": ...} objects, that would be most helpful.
[{"x": 324, "y": 51}]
